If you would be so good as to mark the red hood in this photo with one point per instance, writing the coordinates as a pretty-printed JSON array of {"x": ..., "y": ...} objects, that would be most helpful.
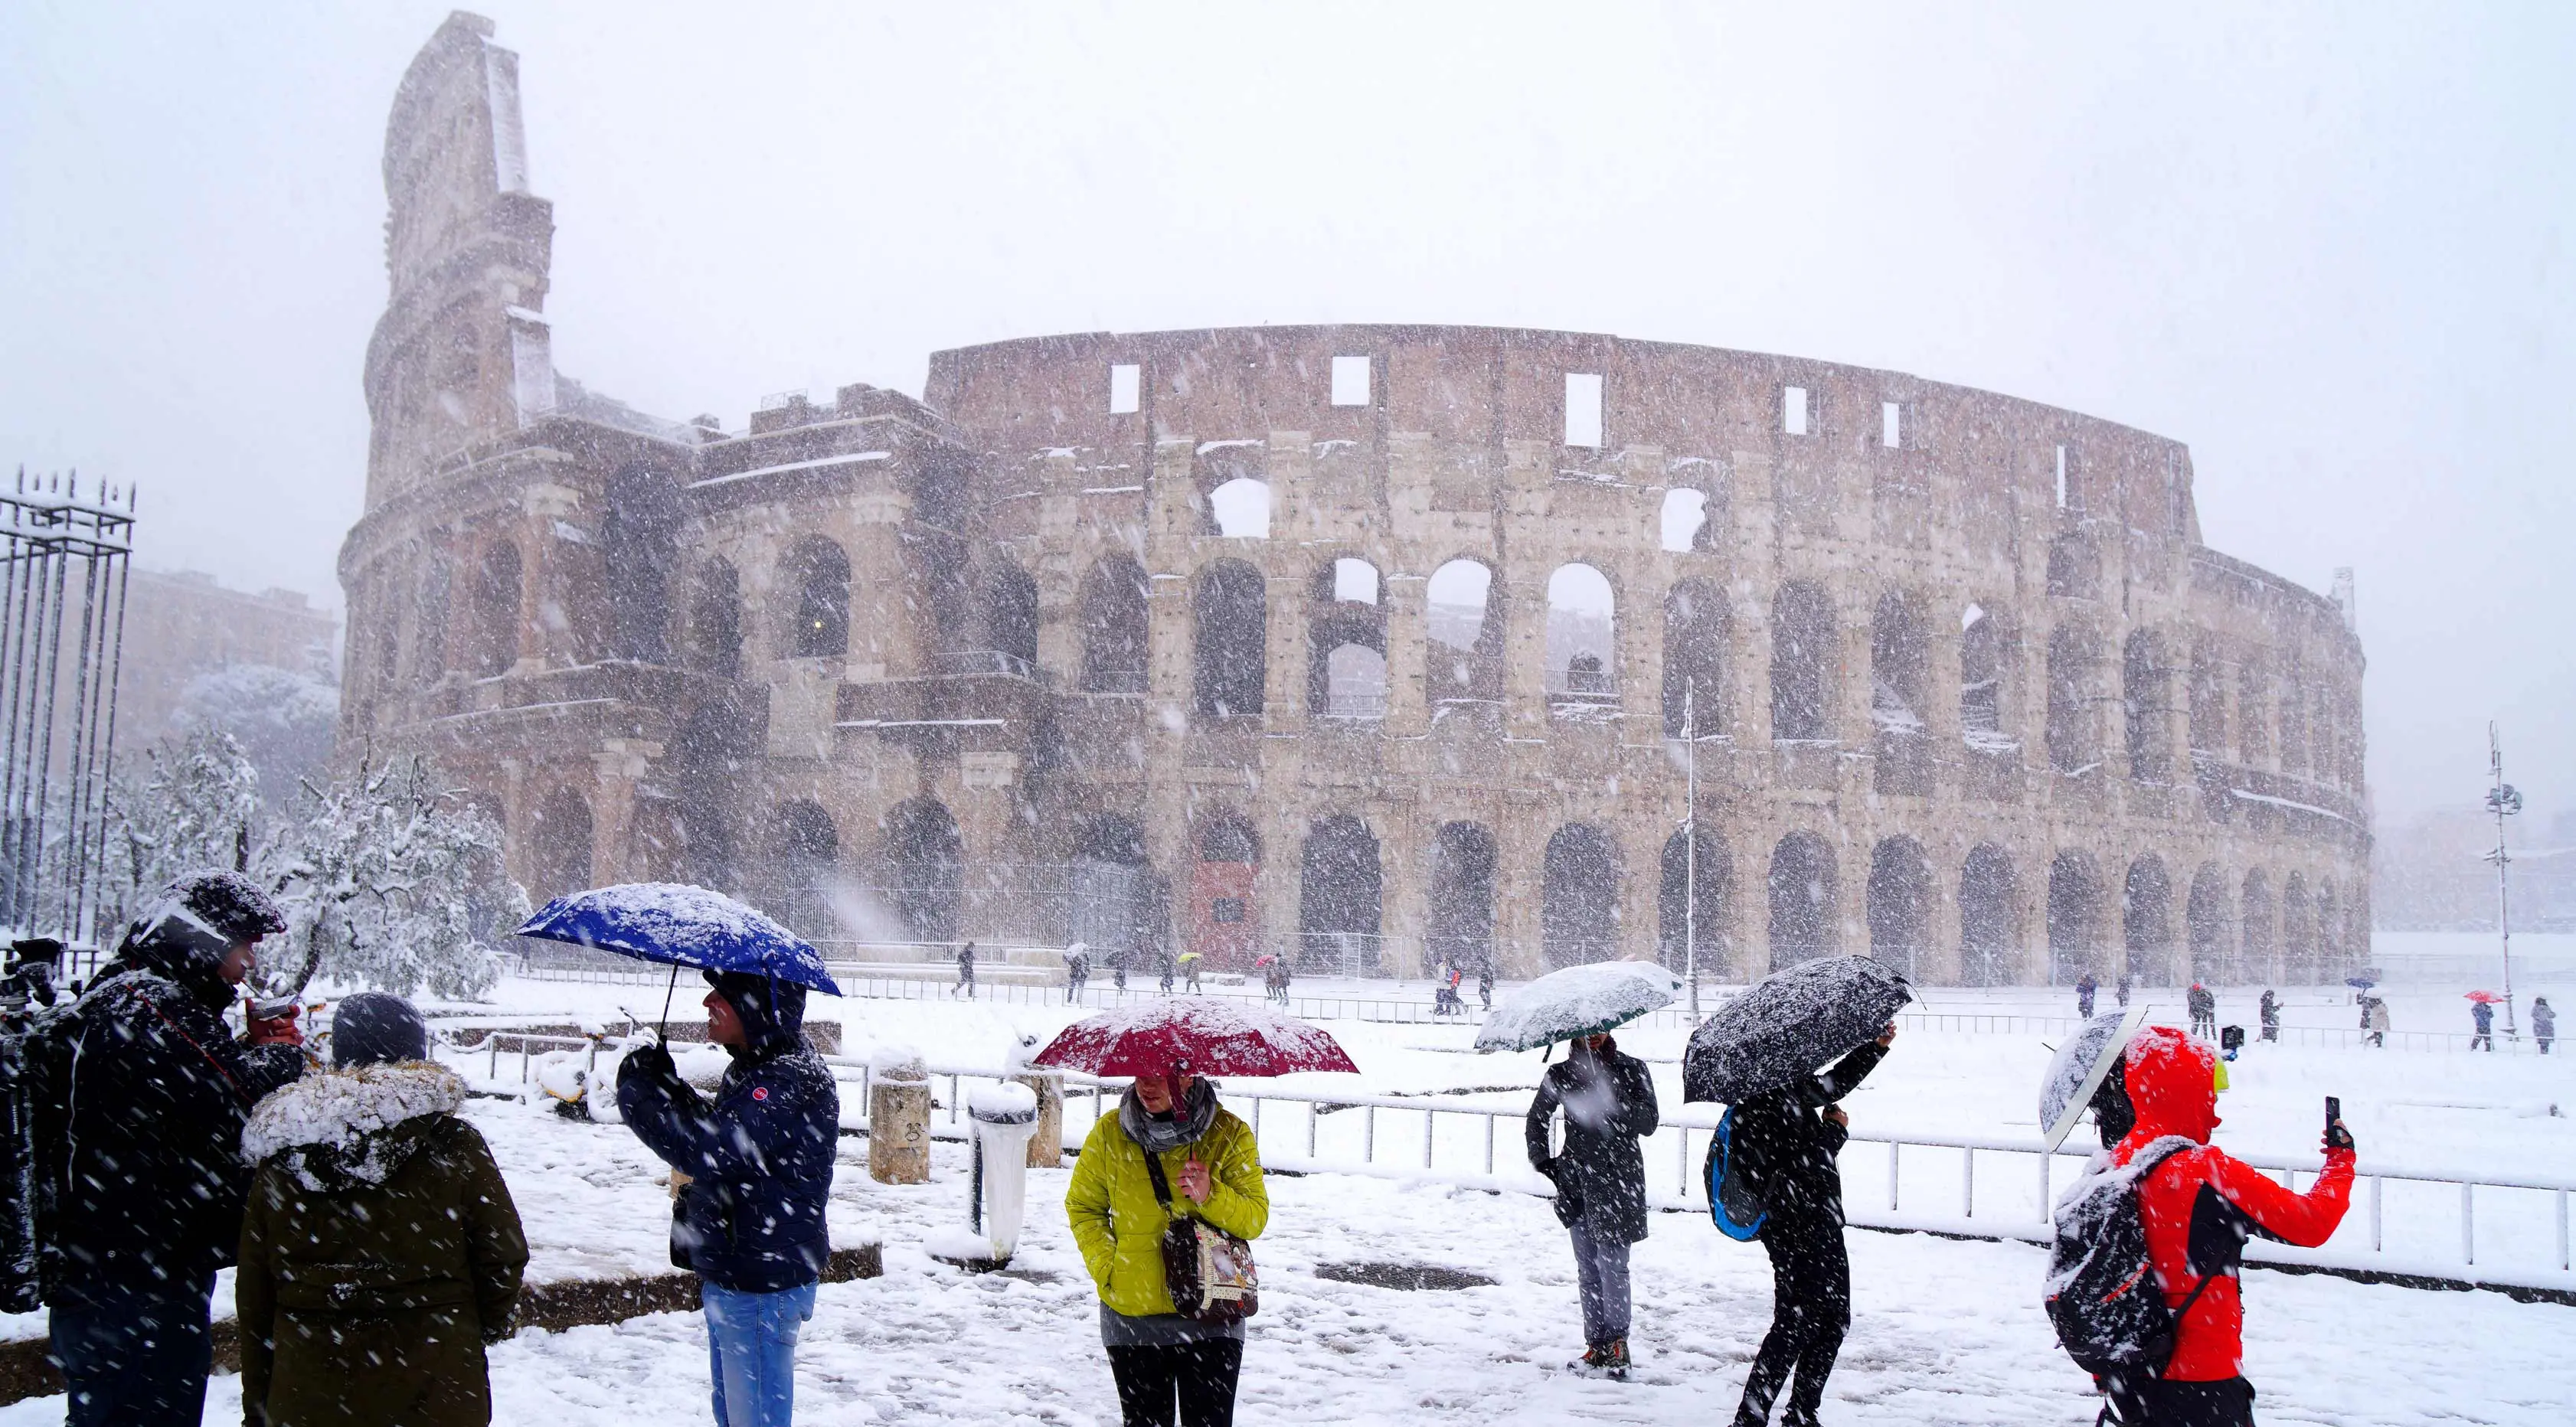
[{"x": 2173, "y": 1083}]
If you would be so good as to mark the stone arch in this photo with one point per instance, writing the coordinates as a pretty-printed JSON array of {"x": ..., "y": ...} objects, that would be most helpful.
[
  {"x": 1989, "y": 917},
  {"x": 1579, "y": 896},
  {"x": 1114, "y": 627},
  {"x": 1803, "y": 899},
  {"x": 1901, "y": 894},
  {"x": 1116, "y": 901},
  {"x": 2146, "y": 921},
  {"x": 497, "y": 580},
  {"x": 2298, "y": 932},
  {"x": 1463, "y": 860},
  {"x": 1231, "y": 624},
  {"x": 639, "y": 547},
  {"x": 715, "y": 620},
  {"x": 2329, "y": 938},
  {"x": 2146, "y": 696},
  {"x": 1982, "y": 648},
  {"x": 1346, "y": 641},
  {"x": 1582, "y": 635},
  {"x": 2260, "y": 928},
  {"x": 815, "y": 576},
  {"x": 2075, "y": 900},
  {"x": 1900, "y": 668},
  {"x": 2074, "y": 742},
  {"x": 1691, "y": 902},
  {"x": 1804, "y": 657},
  {"x": 2208, "y": 700},
  {"x": 1695, "y": 637},
  {"x": 709, "y": 756},
  {"x": 1462, "y": 659},
  {"x": 2205, "y": 916},
  {"x": 1340, "y": 894},
  {"x": 926, "y": 860},
  {"x": 559, "y": 851},
  {"x": 1007, "y": 616}
]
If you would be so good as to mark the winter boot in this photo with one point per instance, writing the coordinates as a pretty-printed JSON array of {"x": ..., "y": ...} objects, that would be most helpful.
[
  {"x": 1614, "y": 1359},
  {"x": 1595, "y": 1357}
]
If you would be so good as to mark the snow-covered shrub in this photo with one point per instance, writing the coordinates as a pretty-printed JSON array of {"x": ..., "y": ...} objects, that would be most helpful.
[
  {"x": 284, "y": 721},
  {"x": 190, "y": 805}
]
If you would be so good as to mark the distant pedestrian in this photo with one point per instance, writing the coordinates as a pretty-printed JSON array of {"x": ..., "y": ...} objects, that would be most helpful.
[
  {"x": 1191, "y": 961},
  {"x": 966, "y": 970},
  {"x": 1118, "y": 970},
  {"x": 1787, "y": 1150},
  {"x": 2122, "y": 991},
  {"x": 1077, "y": 971},
  {"x": 2085, "y": 986},
  {"x": 2268, "y": 1011},
  {"x": 2374, "y": 1015},
  {"x": 1485, "y": 981},
  {"x": 2482, "y": 1016},
  {"x": 2204, "y": 1010},
  {"x": 2544, "y": 1023},
  {"x": 1169, "y": 970},
  {"x": 1600, "y": 1178}
]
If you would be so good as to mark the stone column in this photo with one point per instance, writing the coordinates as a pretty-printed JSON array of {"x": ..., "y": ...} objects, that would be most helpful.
[{"x": 899, "y": 1120}]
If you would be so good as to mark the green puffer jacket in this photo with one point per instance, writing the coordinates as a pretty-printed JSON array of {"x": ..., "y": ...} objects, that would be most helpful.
[
  {"x": 1119, "y": 1225},
  {"x": 379, "y": 1254}
]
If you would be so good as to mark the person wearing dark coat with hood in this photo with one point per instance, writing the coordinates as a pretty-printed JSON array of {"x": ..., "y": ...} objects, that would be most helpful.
[
  {"x": 2544, "y": 1023},
  {"x": 758, "y": 1158},
  {"x": 1600, "y": 1178},
  {"x": 149, "y": 1188},
  {"x": 1786, "y": 1142},
  {"x": 381, "y": 1252}
]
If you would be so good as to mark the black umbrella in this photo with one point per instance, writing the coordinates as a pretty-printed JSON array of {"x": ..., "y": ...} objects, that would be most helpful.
[{"x": 1790, "y": 1023}]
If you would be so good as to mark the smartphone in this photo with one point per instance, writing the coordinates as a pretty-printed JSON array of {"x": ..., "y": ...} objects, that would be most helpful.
[{"x": 2334, "y": 1111}]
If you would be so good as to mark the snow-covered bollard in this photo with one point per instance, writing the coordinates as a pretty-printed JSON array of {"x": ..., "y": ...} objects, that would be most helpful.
[
  {"x": 1046, "y": 1137},
  {"x": 898, "y": 1116},
  {"x": 997, "y": 1198}
]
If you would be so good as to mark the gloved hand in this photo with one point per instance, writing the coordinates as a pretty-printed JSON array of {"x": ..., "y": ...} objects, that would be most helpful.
[
  {"x": 275, "y": 1030},
  {"x": 2337, "y": 1137},
  {"x": 653, "y": 1061}
]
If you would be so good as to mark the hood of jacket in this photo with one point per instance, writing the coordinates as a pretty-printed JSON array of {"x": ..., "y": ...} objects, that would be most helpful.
[
  {"x": 2173, "y": 1086},
  {"x": 359, "y": 1124},
  {"x": 772, "y": 1011}
]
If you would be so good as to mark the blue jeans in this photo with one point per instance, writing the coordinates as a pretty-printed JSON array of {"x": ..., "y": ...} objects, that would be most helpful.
[
  {"x": 751, "y": 1351},
  {"x": 136, "y": 1357}
]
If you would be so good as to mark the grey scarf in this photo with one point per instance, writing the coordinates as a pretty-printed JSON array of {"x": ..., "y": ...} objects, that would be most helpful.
[{"x": 1160, "y": 1135}]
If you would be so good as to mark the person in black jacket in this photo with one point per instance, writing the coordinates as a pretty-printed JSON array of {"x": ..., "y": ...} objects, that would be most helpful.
[
  {"x": 1600, "y": 1178},
  {"x": 758, "y": 1161},
  {"x": 1786, "y": 1142},
  {"x": 149, "y": 1185}
]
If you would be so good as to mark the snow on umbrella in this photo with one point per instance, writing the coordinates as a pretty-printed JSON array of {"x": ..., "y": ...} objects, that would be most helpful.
[
  {"x": 2489, "y": 997},
  {"x": 2080, "y": 1067},
  {"x": 2359, "y": 983},
  {"x": 1788, "y": 1024},
  {"x": 681, "y": 925},
  {"x": 1198, "y": 1034},
  {"x": 1577, "y": 1001}
]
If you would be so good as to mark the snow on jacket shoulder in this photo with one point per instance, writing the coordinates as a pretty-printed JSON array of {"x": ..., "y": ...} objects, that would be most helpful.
[
  {"x": 2201, "y": 1204},
  {"x": 759, "y": 1158}
]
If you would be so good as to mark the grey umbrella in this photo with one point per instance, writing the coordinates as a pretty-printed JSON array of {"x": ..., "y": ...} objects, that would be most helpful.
[{"x": 1788, "y": 1024}]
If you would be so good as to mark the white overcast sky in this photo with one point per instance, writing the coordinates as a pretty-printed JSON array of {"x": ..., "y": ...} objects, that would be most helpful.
[{"x": 2328, "y": 247}]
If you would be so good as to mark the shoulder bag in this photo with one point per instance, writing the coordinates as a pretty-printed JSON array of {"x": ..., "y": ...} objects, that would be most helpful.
[{"x": 1208, "y": 1271}]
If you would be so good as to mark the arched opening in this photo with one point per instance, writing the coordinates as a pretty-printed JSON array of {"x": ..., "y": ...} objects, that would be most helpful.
[
  {"x": 2074, "y": 747},
  {"x": 1113, "y": 627},
  {"x": 429, "y": 659},
  {"x": 803, "y": 852},
  {"x": 1462, "y": 660},
  {"x": 2329, "y": 933},
  {"x": 2208, "y": 704},
  {"x": 496, "y": 610},
  {"x": 1899, "y": 667},
  {"x": 1989, "y": 917},
  {"x": 2146, "y": 922},
  {"x": 560, "y": 845},
  {"x": 389, "y": 636},
  {"x": 816, "y": 576},
  {"x": 1009, "y": 601},
  {"x": 715, "y": 621},
  {"x": 1801, "y": 884},
  {"x": 2145, "y": 698},
  {"x": 2074, "y": 918},
  {"x": 1462, "y": 895},
  {"x": 1582, "y": 636},
  {"x": 1579, "y": 896},
  {"x": 1803, "y": 657},
  {"x": 2205, "y": 916},
  {"x": 2298, "y": 933},
  {"x": 2259, "y": 929},
  {"x": 1346, "y": 642},
  {"x": 1232, "y": 621},
  {"x": 1698, "y": 877},
  {"x": 710, "y": 757},
  {"x": 1222, "y": 926},
  {"x": 1900, "y": 904},
  {"x": 1694, "y": 660},
  {"x": 1116, "y": 904},
  {"x": 1684, "y": 523},
  {"x": 1338, "y": 894},
  {"x": 1241, "y": 509},
  {"x": 928, "y": 861},
  {"x": 2254, "y": 713},
  {"x": 1981, "y": 682},
  {"x": 639, "y": 545}
]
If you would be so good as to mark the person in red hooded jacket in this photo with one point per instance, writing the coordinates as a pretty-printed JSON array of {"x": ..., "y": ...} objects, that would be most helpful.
[{"x": 2200, "y": 1206}]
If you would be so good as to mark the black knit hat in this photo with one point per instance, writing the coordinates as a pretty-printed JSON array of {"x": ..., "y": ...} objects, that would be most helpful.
[{"x": 375, "y": 1028}]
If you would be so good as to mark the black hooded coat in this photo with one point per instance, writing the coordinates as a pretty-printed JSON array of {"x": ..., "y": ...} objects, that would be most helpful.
[{"x": 1600, "y": 1175}]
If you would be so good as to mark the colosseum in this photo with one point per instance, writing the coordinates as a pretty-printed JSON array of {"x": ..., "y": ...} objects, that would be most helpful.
[{"x": 1375, "y": 646}]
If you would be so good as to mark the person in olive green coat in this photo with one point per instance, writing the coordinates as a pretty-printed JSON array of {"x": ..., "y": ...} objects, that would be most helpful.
[
  {"x": 1161, "y": 1360},
  {"x": 381, "y": 1251}
]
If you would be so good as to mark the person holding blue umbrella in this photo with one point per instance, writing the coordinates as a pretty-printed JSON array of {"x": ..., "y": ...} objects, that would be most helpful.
[{"x": 758, "y": 1156}]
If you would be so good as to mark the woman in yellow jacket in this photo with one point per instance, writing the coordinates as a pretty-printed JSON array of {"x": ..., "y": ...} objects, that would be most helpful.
[{"x": 1161, "y": 1360}]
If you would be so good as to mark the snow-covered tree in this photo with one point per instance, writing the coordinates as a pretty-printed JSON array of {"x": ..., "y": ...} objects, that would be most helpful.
[
  {"x": 390, "y": 881},
  {"x": 191, "y": 804},
  {"x": 284, "y": 720}
]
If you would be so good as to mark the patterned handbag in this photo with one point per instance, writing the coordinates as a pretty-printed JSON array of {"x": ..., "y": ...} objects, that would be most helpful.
[{"x": 1208, "y": 1270}]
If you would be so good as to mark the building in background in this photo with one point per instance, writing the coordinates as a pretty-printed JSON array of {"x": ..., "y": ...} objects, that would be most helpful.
[{"x": 181, "y": 625}]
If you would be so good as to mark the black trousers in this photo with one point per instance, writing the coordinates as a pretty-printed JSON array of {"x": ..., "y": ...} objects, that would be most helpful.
[
  {"x": 2228, "y": 1402},
  {"x": 1196, "y": 1378},
  {"x": 1810, "y": 1312}
]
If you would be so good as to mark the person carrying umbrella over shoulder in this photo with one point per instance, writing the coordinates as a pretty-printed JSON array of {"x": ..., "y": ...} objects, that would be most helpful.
[
  {"x": 2482, "y": 1017},
  {"x": 1600, "y": 1179}
]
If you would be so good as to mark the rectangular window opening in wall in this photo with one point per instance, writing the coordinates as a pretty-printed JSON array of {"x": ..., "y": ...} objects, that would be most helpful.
[
  {"x": 1583, "y": 409},
  {"x": 1891, "y": 424},
  {"x": 1793, "y": 411},
  {"x": 1126, "y": 381},
  {"x": 1350, "y": 381},
  {"x": 2061, "y": 478}
]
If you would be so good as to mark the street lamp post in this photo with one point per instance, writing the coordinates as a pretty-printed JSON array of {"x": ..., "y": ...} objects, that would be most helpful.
[
  {"x": 2504, "y": 801},
  {"x": 1690, "y": 850}
]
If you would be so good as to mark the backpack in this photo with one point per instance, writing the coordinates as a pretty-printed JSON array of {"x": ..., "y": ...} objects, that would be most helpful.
[
  {"x": 1733, "y": 1201},
  {"x": 35, "y": 1076},
  {"x": 2102, "y": 1294}
]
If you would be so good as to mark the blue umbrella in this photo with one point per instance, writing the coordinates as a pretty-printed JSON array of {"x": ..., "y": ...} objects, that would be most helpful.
[{"x": 681, "y": 925}]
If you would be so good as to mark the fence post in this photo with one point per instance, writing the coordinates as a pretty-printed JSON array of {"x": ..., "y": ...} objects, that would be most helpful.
[
  {"x": 2562, "y": 1229},
  {"x": 1314, "y": 1117},
  {"x": 2562, "y": 1199},
  {"x": 1368, "y": 1134},
  {"x": 2468, "y": 1223},
  {"x": 492, "y": 1062},
  {"x": 1681, "y": 1161},
  {"x": 2043, "y": 1186},
  {"x": 2378, "y": 1182},
  {"x": 1892, "y": 1148},
  {"x": 1430, "y": 1119},
  {"x": 1968, "y": 1182}
]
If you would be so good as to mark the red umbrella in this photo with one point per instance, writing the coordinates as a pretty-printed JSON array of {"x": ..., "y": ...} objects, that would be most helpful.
[
  {"x": 1198, "y": 1034},
  {"x": 2489, "y": 997}
]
